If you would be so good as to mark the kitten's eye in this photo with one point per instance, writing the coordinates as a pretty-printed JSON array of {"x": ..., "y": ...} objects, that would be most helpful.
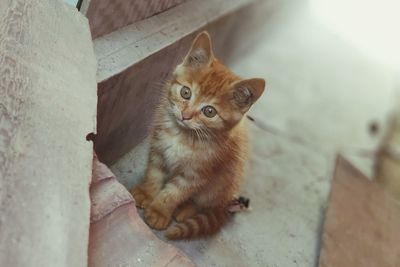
[
  {"x": 209, "y": 111},
  {"x": 186, "y": 93}
]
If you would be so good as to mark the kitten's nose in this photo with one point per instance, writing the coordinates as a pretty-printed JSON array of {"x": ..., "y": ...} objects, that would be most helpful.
[{"x": 186, "y": 115}]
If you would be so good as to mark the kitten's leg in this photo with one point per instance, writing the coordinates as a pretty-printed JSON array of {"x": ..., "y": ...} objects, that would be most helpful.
[
  {"x": 145, "y": 192},
  {"x": 158, "y": 215},
  {"x": 185, "y": 211}
]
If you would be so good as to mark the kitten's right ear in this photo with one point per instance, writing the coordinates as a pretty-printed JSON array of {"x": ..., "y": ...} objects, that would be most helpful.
[
  {"x": 246, "y": 92},
  {"x": 200, "y": 54}
]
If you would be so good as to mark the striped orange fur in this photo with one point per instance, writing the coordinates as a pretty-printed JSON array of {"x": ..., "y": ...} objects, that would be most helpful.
[
  {"x": 199, "y": 146},
  {"x": 201, "y": 224}
]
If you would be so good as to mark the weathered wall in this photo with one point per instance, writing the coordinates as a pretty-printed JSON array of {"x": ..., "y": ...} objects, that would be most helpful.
[
  {"x": 106, "y": 16},
  {"x": 47, "y": 106}
]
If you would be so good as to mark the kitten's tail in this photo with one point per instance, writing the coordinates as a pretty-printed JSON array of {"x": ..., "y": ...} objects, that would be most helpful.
[{"x": 200, "y": 225}]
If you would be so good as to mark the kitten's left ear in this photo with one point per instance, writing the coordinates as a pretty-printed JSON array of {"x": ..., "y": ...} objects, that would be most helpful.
[
  {"x": 246, "y": 92},
  {"x": 200, "y": 54}
]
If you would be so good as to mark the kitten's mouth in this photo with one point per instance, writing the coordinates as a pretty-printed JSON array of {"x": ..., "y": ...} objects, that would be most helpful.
[
  {"x": 178, "y": 120},
  {"x": 182, "y": 123}
]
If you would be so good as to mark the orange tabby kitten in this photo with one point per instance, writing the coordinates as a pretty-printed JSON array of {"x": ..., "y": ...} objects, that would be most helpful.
[{"x": 198, "y": 147}]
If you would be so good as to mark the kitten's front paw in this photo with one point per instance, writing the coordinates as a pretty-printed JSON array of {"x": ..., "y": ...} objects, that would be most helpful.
[
  {"x": 141, "y": 196},
  {"x": 156, "y": 218}
]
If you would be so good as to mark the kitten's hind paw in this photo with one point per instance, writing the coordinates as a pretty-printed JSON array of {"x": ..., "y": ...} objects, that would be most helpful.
[
  {"x": 156, "y": 219},
  {"x": 141, "y": 196}
]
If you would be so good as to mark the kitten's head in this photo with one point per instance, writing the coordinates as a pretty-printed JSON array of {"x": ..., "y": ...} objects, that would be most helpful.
[{"x": 204, "y": 94}]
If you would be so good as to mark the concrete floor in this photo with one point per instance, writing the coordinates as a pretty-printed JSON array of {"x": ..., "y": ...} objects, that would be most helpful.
[{"x": 322, "y": 95}]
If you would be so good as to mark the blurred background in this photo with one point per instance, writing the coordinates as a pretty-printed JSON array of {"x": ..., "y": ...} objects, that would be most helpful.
[{"x": 371, "y": 26}]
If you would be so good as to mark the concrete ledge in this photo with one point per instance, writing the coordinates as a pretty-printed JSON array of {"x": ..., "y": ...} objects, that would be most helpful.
[
  {"x": 361, "y": 225},
  {"x": 122, "y": 49},
  {"x": 118, "y": 236},
  {"x": 47, "y": 107}
]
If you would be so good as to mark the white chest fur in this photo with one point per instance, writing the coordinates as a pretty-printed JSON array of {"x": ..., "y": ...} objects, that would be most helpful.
[{"x": 175, "y": 152}]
